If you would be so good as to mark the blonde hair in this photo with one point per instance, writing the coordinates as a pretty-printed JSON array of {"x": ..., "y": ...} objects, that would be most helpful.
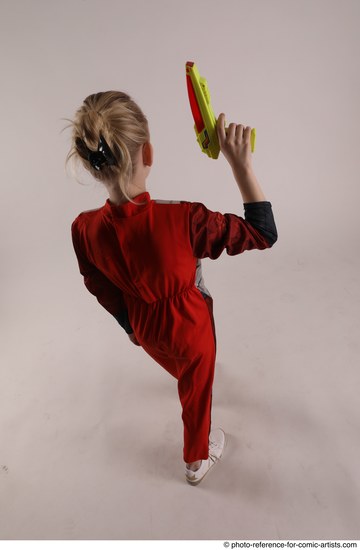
[{"x": 116, "y": 117}]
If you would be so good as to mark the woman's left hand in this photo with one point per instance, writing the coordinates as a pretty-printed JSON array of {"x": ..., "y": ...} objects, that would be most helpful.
[{"x": 133, "y": 339}]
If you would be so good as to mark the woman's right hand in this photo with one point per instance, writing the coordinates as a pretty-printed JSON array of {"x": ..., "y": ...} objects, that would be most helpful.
[{"x": 235, "y": 143}]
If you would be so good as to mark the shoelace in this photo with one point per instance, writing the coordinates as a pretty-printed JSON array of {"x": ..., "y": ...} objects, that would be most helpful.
[
  {"x": 214, "y": 446},
  {"x": 213, "y": 458}
]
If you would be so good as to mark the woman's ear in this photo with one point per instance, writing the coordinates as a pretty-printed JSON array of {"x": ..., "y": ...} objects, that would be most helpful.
[{"x": 148, "y": 154}]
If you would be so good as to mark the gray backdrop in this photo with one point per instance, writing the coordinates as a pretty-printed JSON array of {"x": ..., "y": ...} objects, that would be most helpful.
[{"x": 91, "y": 430}]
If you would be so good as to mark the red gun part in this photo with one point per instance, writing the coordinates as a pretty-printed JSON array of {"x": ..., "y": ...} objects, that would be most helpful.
[{"x": 194, "y": 104}]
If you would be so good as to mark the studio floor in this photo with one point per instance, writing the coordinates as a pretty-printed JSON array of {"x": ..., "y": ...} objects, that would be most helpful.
[{"x": 91, "y": 430}]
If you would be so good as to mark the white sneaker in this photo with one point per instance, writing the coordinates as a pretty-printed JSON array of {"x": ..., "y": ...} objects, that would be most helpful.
[{"x": 217, "y": 443}]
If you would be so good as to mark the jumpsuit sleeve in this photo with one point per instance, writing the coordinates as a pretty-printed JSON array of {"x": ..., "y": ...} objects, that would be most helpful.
[
  {"x": 212, "y": 232},
  {"x": 106, "y": 293}
]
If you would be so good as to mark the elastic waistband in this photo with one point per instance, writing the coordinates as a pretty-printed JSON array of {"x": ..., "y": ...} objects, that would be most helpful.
[{"x": 186, "y": 290}]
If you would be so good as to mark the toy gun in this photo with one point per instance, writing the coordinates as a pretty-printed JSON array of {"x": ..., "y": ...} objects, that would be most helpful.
[{"x": 205, "y": 121}]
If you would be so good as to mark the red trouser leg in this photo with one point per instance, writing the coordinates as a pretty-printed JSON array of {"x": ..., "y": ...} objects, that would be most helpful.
[
  {"x": 195, "y": 383},
  {"x": 195, "y": 379},
  {"x": 195, "y": 392}
]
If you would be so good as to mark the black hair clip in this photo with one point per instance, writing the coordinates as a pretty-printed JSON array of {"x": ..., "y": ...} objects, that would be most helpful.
[{"x": 96, "y": 158}]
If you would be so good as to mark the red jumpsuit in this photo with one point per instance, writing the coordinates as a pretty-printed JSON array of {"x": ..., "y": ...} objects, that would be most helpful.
[{"x": 142, "y": 262}]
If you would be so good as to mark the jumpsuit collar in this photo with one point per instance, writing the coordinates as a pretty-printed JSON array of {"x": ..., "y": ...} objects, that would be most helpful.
[{"x": 128, "y": 209}]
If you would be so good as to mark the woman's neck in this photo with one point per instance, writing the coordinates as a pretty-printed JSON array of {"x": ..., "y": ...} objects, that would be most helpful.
[{"x": 117, "y": 197}]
